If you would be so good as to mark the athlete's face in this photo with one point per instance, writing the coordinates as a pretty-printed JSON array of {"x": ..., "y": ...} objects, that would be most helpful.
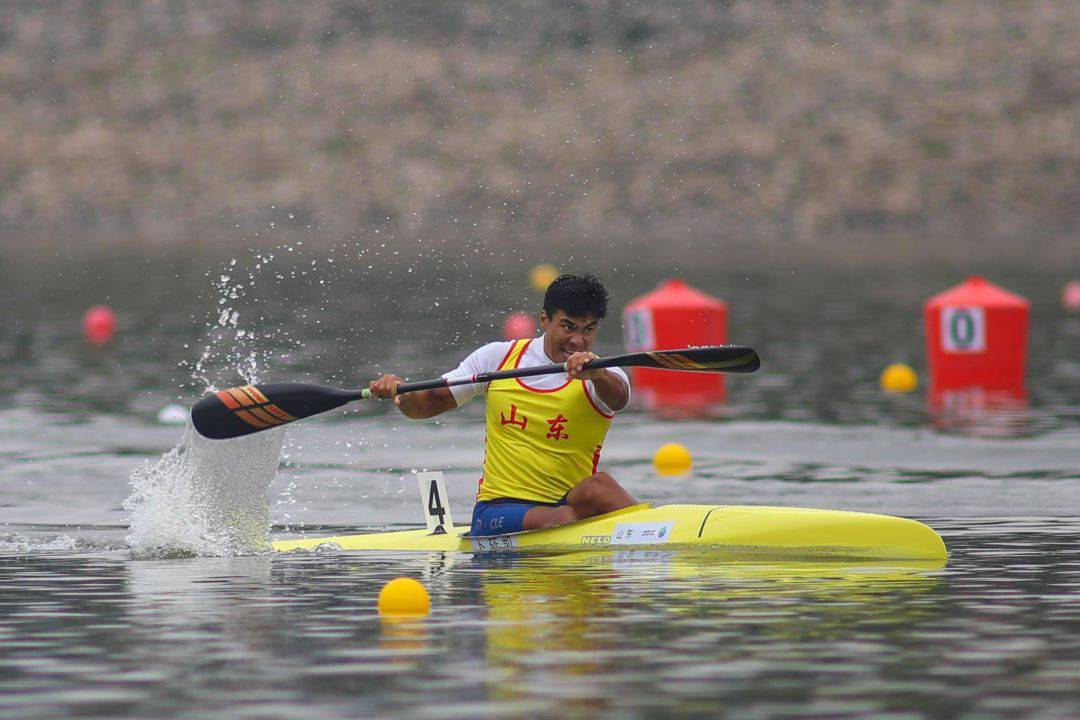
[{"x": 567, "y": 335}]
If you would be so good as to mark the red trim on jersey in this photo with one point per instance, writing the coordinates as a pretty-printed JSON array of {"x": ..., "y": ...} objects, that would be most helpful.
[
  {"x": 483, "y": 469},
  {"x": 595, "y": 407},
  {"x": 524, "y": 349},
  {"x": 532, "y": 389},
  {"x": 502, "y": 362},
  {"x": 596, "y": 459}
]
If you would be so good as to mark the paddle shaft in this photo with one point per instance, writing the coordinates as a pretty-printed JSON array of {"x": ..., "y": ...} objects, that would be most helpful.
[
  {"x": 243, "y": 410},
  {"x": 480, "y": 378},
  {"x": 740, "y": 364}
]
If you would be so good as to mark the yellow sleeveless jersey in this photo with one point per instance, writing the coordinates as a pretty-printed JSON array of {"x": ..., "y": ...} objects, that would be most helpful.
[{"x": 540, "y": 443}]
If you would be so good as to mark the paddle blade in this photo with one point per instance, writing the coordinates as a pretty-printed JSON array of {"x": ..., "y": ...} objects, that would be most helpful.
[
  {"x": 248, "y": 409},
  {"x": 721, "y": 358},
  {"x": 714, "y": 358}
]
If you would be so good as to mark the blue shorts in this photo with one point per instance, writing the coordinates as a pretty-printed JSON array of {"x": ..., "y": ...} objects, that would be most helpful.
[{"x": 504, "y": 515}]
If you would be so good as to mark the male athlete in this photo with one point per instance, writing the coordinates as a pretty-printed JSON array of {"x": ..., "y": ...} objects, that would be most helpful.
[{"x": 544, "y": 433}]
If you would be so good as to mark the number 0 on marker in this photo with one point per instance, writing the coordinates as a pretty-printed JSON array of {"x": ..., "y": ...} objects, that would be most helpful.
[{"x": 963, "y": 330}]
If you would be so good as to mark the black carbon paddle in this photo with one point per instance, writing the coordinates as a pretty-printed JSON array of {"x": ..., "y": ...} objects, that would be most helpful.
[{"x": 248, "y": 409}]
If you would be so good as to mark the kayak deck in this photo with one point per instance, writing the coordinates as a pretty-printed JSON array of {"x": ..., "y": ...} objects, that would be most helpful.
[{"x": 739, "y": 529}]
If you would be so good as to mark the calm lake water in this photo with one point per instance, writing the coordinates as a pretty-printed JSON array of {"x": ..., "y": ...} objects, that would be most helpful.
[{"x": 97, "y": 621}]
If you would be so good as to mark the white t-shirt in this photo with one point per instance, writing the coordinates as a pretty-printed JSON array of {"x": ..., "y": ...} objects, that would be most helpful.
[{"x": 487, "y": 359}]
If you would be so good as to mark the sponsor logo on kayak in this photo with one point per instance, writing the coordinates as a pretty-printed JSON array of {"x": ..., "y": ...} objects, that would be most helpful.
[
  {"x": 595, "y": 540},
  {"x": 495, "y": 543},
  {"x": 642, "y": 533}
]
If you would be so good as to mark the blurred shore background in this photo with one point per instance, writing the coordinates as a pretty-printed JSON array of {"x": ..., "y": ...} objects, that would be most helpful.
[{"x": 760, "y": 134}]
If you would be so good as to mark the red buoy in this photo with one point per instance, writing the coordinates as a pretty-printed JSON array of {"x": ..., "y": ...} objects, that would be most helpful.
[
  {"x": 518, "y": 326},
  {"x": 976, "y": 336},
  {"x": 673, "y": 316},
  {"x": 99, "y": 325},
  {"x": 1070, "y": 296}
]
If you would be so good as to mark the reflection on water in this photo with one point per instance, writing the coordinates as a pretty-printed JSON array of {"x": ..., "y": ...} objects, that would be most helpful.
[
  {"x": 982, "y": 412},
  {"x": 994, "y": 634},
  {"x": 569, "y": 615}
]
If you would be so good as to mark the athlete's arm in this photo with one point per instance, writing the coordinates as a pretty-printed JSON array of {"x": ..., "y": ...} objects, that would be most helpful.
[
  {"x": 485, "y": 359},
  {"x": 612, "y": 390},
  {"x": 429, "y": 403},
  {"x": 415, "y": 405},
  {"x": 610, "y": 387}
]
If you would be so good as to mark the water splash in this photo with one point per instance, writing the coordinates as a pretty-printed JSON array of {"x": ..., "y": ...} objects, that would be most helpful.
[
  {"x": 205, "y": 498},
  {"x": 211, "y": 498},
  {"x": 242, "y": 335},
  {"x": 37, "y": 544}
]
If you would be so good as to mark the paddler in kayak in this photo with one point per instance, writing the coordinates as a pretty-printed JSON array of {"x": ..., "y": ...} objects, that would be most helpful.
[{"x": 544, "y": 433}]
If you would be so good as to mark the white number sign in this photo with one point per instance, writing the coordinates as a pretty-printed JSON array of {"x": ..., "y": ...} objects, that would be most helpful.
[
  {"x": 638, "y": 332},
  {"x": 436, "y": 502},
  {"x": 963, "y": 330}
]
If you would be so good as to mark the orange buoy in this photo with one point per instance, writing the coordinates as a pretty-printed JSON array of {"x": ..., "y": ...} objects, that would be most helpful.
[
  {"x": 898, "y": 378},
  {"x": 404, "y": 596},
  {"x": 99, "y": 325},
  {"x": 543, "y": 275},
  {"x": 673, "y": 459}
]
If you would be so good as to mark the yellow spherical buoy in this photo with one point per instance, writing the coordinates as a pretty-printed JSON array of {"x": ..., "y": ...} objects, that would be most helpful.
[
  {"x": 899, "y": 378},
  {"x": 404, "y": 596},
  {"x": 543, "y": 275},
  {"x": 672, "y": 459}
]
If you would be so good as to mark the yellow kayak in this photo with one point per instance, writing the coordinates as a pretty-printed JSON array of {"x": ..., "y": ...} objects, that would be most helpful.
[{"x": 743, "y": 530}]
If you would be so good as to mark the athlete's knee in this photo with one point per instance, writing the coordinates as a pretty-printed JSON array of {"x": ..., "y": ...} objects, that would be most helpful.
[
  {"x": 563, "y": 515},
  {"x": 600, "y": 492},
  {"x": 586, "y": 491},
  {"x": 601, "y": 482},
  {"x": 543, "y": 517}
]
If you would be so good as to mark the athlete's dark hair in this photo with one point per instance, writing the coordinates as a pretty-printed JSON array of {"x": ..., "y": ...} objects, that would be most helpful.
[{"x": 576, "y": 296}]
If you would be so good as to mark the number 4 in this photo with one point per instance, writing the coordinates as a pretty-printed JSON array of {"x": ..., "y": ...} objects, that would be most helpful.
[
  {"x": 433, "y": 496},
  {"x": 434, "y": 503}
]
